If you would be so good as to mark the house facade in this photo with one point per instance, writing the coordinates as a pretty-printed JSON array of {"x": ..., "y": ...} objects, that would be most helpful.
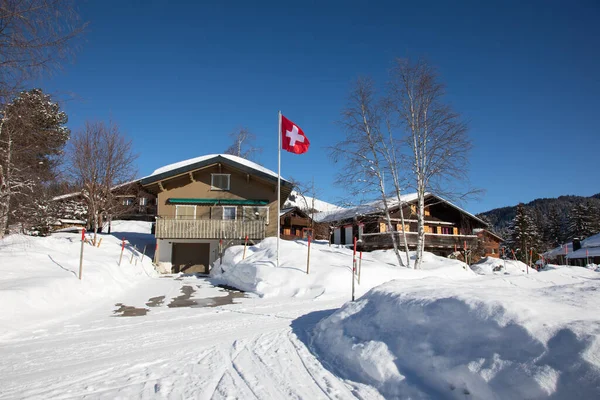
[
  {"x": 294, "y": 223},
  {"x": 447, "y": 227},
  {"x": 489, "y": 243},
  {"x": 209, "y": 203}
]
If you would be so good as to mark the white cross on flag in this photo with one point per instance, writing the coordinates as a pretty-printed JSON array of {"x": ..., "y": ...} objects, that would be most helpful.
[{"x": 292, "y": 137}]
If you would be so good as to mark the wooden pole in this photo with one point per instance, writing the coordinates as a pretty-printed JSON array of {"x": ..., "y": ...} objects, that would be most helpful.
[
  {"x": 156, "y": 253},
  {"x": 530, "y": 258},
  {"x": 513, "y": 253},
  {"x": 245, "y": 244},
  {"x": 132, "y": 254},
  {"x": 221, "y": 251},
  {"x": 99, "y": 242},
  {"x": 122, "y": 249},
  {"x": 308, "y": 257},
  {"x": 81, "y": 253},
  {"x": 143, "y": 254}
]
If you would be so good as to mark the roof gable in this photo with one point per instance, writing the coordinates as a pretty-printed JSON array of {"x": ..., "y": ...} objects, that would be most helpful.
[{"x": 183, "y": 167}]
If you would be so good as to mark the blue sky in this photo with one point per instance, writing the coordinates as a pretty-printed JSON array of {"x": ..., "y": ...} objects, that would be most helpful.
[{"x": 179, "y": 76}]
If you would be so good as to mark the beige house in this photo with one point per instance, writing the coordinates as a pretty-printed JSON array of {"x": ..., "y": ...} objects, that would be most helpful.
[{"x": 209, "y": 203}]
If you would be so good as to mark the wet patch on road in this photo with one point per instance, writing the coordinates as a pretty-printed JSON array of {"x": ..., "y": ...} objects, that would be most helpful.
[
  {"x": 129, "y": 311},
  {"x": 155, "y": 301},
  {"x": 185, "y": 299}
]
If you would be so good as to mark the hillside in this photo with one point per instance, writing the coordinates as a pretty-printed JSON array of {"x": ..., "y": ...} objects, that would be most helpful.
[{"x": 500, "y": 218}]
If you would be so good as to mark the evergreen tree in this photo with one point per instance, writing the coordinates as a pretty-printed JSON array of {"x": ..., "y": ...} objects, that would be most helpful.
[
  {"x": 582, "y": 222},
  {"x": 523, "y": 234},
  {"x": 33, "y": 136},
  {"x": 554, "y": 234}
]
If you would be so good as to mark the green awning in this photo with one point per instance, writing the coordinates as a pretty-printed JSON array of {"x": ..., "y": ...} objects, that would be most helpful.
[{"x": 219, "y": 202}]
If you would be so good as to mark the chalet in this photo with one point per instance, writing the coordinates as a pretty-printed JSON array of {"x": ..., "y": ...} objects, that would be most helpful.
[
  {"x": 132, "y": 202},
  {"x": 578, "y": 252},
  {"x": 294, "y": 223},
  {"x": 489, "y": 242},
  {"x": 208, "y": 203},
  {"x": 447, "y": 226}
]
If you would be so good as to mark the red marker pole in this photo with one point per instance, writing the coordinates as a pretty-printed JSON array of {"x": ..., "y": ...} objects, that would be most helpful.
[
  {"x": 81, "y": 253},
  {"x": 308, "y": 256},
  {"x": 220, "y": 251},
  {"x": 122, "y": 249}
]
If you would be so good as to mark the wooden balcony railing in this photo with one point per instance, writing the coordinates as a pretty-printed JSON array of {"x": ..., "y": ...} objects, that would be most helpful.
[
  {"x": 171, "y": 228},
  {"x": 384, "y": 240}
]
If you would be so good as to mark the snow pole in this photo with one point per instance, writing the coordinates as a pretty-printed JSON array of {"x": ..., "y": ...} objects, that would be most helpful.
[
  {"x": 587, "y": 257},
  {"x": 132, "y": 254},
  {"x": 353, "y": 267},
  {"x": 245, "y": 244},
  {"x": 513, "y": 253},
  {"x": 122, "y": 249},
  {"x": 359, "y": 266},
  {"x": 530, "y": 258},
  {"x": 156, "y": 253},
  {"x": 143, "y": 255},
  {"x": 308, "y": 257},
  {"x": 81, "y": 253},
  {"x": 99, "y": 242}
]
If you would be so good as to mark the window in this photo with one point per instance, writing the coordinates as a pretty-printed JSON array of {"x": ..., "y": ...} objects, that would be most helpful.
[
  {"x": 427, "y": 212},
  {"x": 446, "y": 230},
  {"x": 143, "y": 201},
  {"x": 413, "y": 209},
  {"x": 185, "y": 212},
  {"x": 219, "y": 181},
  {"x": 127, "y": 201},
  {"x": 229, "y": 212},
  {"x": 256, "y": 214}
]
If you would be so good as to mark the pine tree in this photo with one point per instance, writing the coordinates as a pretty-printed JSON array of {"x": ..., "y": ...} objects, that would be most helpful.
[
  {"x": 523, "y": 234},
  {"x": 33, "y": 136},
  {"x": 581, "y": 221},
  {"x": 554, "y": 234}
]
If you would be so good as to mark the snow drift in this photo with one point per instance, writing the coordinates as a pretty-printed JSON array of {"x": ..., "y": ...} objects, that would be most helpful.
[
  {"x": 39, "y": 280},
  {"x": 508, "y": 337},
  {"x": 491, "y": 265},
  {"x": 330, "y": 269}
]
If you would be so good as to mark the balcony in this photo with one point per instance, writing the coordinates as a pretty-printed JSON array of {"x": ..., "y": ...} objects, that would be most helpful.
[
  {"x": 432, "y": 240},
  {"x": 171, "y": 228}
]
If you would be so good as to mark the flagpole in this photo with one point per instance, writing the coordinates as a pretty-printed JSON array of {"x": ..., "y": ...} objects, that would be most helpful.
[{"x": 278, "y": 187}]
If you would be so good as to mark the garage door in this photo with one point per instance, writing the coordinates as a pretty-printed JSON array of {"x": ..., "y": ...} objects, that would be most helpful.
[
  {"x": 348, "y": 235},
  {"x": 191, "y": 258},
  {"x": 337, "y": 239}
]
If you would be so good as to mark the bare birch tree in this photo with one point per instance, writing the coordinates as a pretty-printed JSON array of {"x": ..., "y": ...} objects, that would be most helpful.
[
  {"x": 243, "y": 144},
  {"x": 101, "y": 157},
  {"x": 360, "y": 152},
  {"x": 435, "y": 134},
  {"x": 35, "y": 36}
]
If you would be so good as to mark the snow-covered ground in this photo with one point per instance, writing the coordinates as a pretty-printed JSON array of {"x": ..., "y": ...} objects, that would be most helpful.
[
  {"x": 509, "y": 337},
  {"x": 491, "y": 265},
  {"x": 442, "y": 332}
]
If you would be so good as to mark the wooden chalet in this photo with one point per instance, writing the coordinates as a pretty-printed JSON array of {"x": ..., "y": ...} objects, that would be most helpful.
[
  {"x": 447, "y": 226},
  {"x": 295, "y": 223},
  {"x": 489, "y": 242},
  {"x": 208, "y": 203}
]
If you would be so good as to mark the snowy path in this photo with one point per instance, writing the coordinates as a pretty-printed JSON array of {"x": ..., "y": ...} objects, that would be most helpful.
[{"x": 246, "y": 350}]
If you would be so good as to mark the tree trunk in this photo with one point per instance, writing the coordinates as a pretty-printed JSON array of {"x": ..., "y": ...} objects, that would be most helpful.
[{"x": 5, "y": 190}]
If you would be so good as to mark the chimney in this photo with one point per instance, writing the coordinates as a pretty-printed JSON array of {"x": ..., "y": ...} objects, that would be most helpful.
[{"x": 576, "y": 244}]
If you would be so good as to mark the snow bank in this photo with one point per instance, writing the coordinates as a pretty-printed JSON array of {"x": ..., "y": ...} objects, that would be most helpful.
[
  {"x": 509, "y": 337},
  {"x": 491, "y": 265},
  {"x": 39, "y": 277},
  {"x": 330, "y": 269}
]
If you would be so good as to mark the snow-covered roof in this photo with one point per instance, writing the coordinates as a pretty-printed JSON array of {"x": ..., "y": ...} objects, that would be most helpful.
[
  {"x": 559, "y": 251},
  {"x": 592, "y": 241},
  {"x": 295, "y": 199},
  {"x": 585, "y": 252},
  {"x": 363, "y": 209},
  {"x": 377, "y": 206},
  {"x": 197, "y": 160}
]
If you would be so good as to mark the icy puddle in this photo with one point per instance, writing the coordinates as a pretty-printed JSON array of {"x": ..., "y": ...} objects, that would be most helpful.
[{"x": 184, "y": 300}]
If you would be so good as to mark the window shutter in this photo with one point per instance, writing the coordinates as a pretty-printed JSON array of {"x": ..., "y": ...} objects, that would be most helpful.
[
  {"x": 455, "y": 231},
  {"x": 382, "y": 227}
]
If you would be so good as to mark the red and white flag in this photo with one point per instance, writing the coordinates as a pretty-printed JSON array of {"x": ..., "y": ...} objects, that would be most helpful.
[{"x": 293, "y": 138}]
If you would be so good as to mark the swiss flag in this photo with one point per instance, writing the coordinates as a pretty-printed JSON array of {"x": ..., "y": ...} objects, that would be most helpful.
[{"x": 292, "y": 137}]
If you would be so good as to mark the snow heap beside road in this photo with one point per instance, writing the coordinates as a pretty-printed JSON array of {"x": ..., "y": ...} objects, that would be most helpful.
[
  {"x": 330, "y": 269},
  {"x": 39, "y": 277},
  {"x": 491, "y": 265},
  {"x": 505, "y": 337}
]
